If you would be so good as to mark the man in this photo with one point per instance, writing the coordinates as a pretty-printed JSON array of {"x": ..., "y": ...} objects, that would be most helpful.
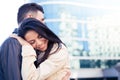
[{"x": 10, "y": 51}]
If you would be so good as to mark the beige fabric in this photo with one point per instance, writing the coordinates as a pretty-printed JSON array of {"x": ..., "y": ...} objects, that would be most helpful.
[{"x": 54, "y": 68}]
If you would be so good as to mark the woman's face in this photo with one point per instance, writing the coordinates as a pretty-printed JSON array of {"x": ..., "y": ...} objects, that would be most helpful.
[{"x": 36, "y": 40}]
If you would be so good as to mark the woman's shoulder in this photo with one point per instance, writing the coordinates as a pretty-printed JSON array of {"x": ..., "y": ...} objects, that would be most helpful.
[
  {"x": 62, "y": 48},
  {"x": 61, "y": 53},
  {"x": 58, "y": 47},
  {"x": 63, "y": 45}
]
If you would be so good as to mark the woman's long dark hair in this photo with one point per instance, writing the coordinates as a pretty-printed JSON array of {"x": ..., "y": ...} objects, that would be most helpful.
[{"x": 44, "y": 31}]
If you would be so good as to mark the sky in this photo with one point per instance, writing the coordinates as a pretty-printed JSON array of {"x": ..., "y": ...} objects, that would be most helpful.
[{"x": 8, "y": 17}]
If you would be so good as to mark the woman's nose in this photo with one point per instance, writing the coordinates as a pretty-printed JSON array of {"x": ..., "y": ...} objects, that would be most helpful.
[{"x": 38, "y": 43}]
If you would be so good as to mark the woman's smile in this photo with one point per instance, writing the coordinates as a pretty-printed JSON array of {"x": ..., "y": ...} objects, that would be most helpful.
[{"x": 38, "y": 42}]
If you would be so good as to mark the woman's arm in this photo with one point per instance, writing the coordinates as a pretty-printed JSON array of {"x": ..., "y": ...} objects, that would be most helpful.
[
  {"x": 28, "y": 58},
  {"x": 52, "y": 65},
  {"x": 21, "y": 40},
  {"x": 28, "y": 67}
]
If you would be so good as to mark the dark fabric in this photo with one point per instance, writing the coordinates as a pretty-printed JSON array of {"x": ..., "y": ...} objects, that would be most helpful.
[
  {"x": 15, "y": 30},
  {"x": 10, "y": 60}
]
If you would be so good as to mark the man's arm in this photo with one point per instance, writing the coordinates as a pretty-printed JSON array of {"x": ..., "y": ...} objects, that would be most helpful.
[{"x": 10, "y": 59}]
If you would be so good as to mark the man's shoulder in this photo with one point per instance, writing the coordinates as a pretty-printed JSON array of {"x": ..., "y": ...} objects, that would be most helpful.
[
  {"x": 10, "y": 46},
  {"x": 11, "y": 41}
]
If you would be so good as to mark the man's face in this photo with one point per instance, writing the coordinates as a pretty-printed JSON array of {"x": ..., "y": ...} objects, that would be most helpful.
[{"x": 40, "y": 16}]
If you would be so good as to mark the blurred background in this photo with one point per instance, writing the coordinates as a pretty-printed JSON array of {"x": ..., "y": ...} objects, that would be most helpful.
[{"x": 90, "y": 28}]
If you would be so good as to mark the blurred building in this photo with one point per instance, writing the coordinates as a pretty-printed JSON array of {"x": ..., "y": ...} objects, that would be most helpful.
[{"x": 90, "y": 29}]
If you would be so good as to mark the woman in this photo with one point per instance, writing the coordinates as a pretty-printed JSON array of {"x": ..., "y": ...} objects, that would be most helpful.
[{"x": 37, "y": 39}]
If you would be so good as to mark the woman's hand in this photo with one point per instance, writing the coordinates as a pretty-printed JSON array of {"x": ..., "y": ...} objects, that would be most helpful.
[{"x": 21, "y": 40}]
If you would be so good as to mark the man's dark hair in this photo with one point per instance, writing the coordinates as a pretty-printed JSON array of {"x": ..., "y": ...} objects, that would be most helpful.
[{"x": 26, "y": 8}]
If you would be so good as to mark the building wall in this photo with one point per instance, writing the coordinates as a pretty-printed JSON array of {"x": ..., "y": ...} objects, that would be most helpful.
[{"x": 87, "y": 27}]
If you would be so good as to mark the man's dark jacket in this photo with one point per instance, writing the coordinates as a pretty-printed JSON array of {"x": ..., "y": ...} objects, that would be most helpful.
[{"x": 10, "y": 60}]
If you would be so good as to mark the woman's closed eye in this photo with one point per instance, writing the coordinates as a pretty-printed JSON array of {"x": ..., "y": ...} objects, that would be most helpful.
[
  {"x": 32, "y": 42},
  {"x": 40, "y": 37}
]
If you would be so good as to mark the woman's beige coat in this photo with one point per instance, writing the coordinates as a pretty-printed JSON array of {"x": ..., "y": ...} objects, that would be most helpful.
[{"x": 54, "y": 68}]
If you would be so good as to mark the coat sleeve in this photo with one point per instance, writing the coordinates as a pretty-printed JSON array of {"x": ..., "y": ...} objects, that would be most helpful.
[
  {"x": 10, "y": 60},
  {"x": 46, "y": 69}
]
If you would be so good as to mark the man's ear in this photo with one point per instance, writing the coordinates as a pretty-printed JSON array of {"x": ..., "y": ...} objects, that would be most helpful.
[{"x": 29, "y": 15}]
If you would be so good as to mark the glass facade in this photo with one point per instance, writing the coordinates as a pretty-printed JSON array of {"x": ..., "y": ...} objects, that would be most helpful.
[{"x": 90, "y": 29}]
